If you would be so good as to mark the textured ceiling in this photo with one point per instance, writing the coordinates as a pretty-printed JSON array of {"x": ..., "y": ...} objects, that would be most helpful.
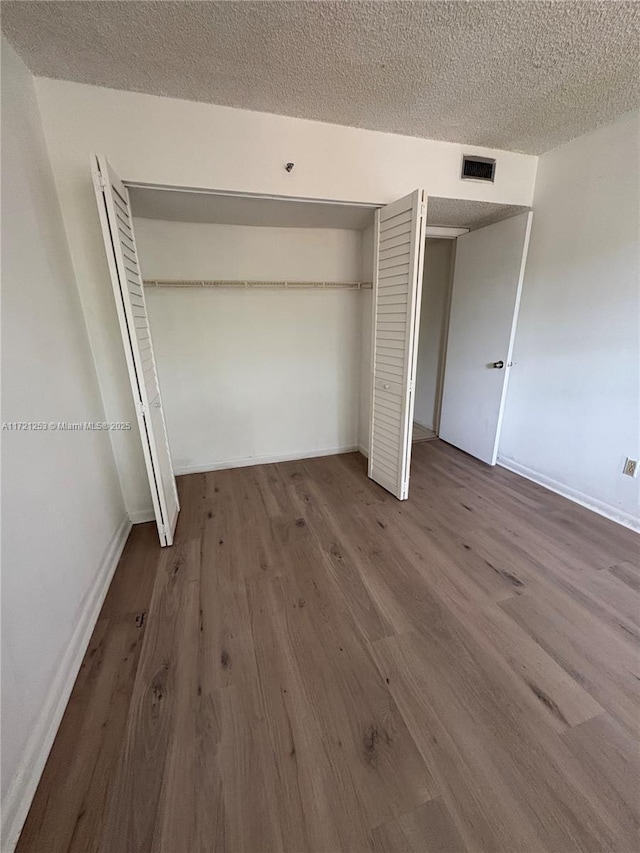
[
  {"x": 523, "y": 76},
  {"x": 185, "y": 206}
]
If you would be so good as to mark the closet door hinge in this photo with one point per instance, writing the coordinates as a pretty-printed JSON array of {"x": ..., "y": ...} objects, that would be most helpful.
[
  {"x": 423, "y": 209},
  {"x": 142, "y": 409},
  {"x": 412, "y": 386},
  {"x": 102, "y": 184}
]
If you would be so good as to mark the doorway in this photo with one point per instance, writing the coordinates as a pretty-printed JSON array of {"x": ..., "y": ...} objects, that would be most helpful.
[
  {"x": 470, "y": 299},
  {"x": 437, "y": 279}
]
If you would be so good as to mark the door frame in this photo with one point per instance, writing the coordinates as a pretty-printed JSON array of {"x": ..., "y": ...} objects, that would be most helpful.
[{"x": 443, "y": 343}]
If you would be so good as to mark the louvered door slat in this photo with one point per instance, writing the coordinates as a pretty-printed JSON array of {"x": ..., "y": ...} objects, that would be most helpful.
[
  {"x": 122, "y": 256},
  {"x": 402, "y": 240},
  {"x": 400, "y": 234}
]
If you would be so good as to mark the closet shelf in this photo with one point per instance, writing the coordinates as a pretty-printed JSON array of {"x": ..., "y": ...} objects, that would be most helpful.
[{"x": 261, "y": 285}]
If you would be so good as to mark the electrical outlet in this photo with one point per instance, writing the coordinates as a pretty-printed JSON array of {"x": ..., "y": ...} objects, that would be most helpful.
[{"x": 630, "y": 467}]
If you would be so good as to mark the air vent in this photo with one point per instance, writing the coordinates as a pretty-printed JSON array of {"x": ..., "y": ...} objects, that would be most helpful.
[{"x": 478, "y": 168}]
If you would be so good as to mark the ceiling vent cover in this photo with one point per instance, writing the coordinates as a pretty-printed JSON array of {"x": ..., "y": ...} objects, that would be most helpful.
[{"x": 478, "y": 168}]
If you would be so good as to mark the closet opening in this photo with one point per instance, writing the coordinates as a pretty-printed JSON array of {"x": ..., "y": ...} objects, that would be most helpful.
[
  {"x": 256, "y": 308},
  {"x": 242, "y": 321}
]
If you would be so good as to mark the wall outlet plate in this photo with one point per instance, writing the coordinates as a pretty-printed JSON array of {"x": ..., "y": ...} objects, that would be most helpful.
[{"x": 630, "y": 467}]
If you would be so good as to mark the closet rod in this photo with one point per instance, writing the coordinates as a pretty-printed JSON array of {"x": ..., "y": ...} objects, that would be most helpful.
[{"x": 261, "y": 285}]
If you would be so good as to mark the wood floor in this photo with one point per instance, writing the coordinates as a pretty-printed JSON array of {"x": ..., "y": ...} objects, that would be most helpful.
[{"x": 315, "y": 666}]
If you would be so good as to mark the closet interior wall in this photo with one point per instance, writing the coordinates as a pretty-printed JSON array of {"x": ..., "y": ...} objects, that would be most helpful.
[
  {"x": 434, "y": 317},
  {"x": 263, "y": 373}
]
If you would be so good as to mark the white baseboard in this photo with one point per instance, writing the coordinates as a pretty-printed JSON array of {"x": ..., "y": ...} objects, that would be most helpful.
[
  {"x": 23, "y": 787},
  {"x": 141, "y": 516},
  {"x": 364, "y": 450},
  {"x": 245, "y": 462},
  {"x": 602, "y": 508}
]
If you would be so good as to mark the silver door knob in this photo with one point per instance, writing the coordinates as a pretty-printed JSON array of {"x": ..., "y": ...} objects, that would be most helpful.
[{"x": 498, "y": 365}]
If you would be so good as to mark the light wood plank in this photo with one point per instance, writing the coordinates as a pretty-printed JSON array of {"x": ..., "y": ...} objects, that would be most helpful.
[{"x": 428, "y": 829}]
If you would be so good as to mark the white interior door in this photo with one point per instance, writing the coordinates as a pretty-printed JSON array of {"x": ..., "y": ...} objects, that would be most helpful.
[
  {"x": 119, "y": 240},
  {"x": 397, "y": 281},
  {"x": 487, "y": 282}
]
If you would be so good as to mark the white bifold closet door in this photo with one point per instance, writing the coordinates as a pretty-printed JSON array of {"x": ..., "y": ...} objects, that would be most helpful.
[
  {"x": 399, "y": 249},
  {"x": 120, "y": 245}
]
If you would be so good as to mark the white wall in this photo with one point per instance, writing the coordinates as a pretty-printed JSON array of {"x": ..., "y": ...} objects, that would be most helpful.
[
  {"x": 250, "y": 376},
  {"x": 572, "y": 411},
  {"x": 436, "y": 281},
  {"x": 63, "y": 517},
  {"x": 200, "y": 250},
  {"x": 167, "y": 141}
]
